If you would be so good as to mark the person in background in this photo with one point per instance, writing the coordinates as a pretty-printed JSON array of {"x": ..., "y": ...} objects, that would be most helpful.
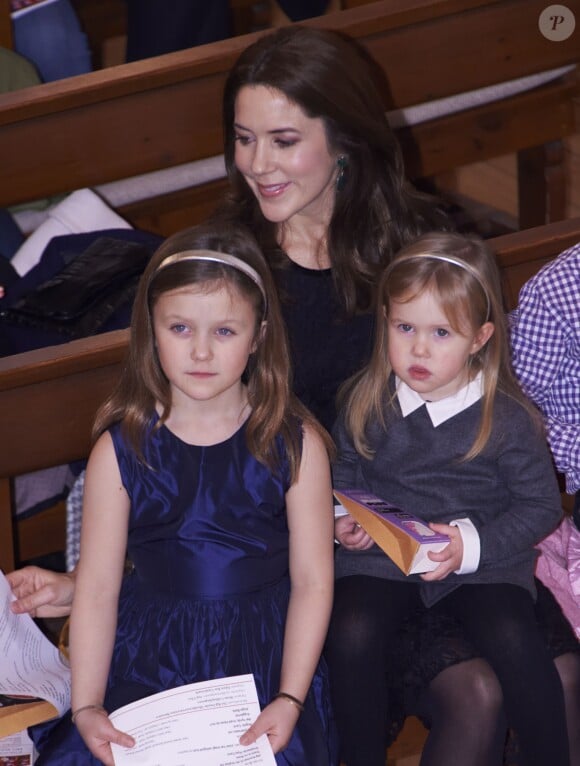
[
  {"x": 155, "y": 27},
  {"x": 299, "y": 10},
  {"x": 49, "y": 44},
  {"x": 16, "y": 72},
  {"x": 545, "y": 337},
  {"x": 50, "y": 35}
]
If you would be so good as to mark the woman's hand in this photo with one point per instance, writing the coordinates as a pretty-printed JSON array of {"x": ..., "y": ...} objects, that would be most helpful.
[
  {"x": 351, "y": 535},
  {"x": 277, "y": 720},
  {"x": 98, "y": 732},
  {"x": 40, "y": 592}
]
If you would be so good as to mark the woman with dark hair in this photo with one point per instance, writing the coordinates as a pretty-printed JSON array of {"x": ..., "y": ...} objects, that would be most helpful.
[{"x": 317, "y": 174}]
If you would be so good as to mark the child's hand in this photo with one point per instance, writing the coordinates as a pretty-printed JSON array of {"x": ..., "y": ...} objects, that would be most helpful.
[
  {"x": 98, "y": 732},
  {"x": 351, "y": 535},
  {"x": 450, "y": 557},
  {"x": 277, "y": 720}
]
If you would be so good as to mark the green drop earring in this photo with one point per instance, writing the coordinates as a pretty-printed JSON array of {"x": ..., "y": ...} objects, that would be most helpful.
[{"x": 342, "y": 163}]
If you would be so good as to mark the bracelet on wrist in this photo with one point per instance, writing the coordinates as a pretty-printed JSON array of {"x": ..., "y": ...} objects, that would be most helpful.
[
  {"x": 98, "y": 708},
  {"x": 292, "y": 700}
]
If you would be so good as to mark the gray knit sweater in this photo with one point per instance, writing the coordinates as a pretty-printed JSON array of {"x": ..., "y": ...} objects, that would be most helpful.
[{"x": 509, "y": 491}]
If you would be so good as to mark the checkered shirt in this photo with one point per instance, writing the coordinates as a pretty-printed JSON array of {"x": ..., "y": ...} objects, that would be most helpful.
[{"x": 546, "y": 355}]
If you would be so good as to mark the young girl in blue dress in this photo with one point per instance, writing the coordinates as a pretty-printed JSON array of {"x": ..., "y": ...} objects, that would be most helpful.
[
  {"x": 216, "y": 481},
  {"x": 436, "y": 424}
]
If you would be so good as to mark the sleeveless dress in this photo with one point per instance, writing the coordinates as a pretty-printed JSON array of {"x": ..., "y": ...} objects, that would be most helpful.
[{"x": 208, "y": 594}]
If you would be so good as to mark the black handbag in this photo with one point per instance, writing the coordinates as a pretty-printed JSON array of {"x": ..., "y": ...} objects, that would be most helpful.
[{"x": 85, "y": 293}]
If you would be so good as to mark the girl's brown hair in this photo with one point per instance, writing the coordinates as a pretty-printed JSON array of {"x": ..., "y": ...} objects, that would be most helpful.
[
  {"x": 470, "y": 297},
  {"x": 143, "y": 385}
]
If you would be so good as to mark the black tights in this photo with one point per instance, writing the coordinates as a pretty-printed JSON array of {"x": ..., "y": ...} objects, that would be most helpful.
[
  {"x": 462, "y": 707},
  {"x": 500, "y": 621},
  {"x": 568, "y": 667},
  {"x": 467, "y": 698},
  {"x": 366, "y": 615},
  {"x": 359, "y": 642}
]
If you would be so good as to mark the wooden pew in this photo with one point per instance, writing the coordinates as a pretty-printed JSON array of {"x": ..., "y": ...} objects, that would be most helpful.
[
  {"x": 149, "y": 115},
  {"x": 48, "y": 397},
  {"x": 48, "y": 400},
  {"x": 5, "y": 25}
]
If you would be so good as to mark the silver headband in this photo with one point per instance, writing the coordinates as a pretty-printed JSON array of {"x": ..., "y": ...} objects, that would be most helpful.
[
  {"x": 455, "y": 262},
  {"x": 216, "y": 257}
]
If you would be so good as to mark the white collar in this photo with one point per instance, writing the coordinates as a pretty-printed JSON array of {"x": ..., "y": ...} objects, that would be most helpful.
[{"x": 443, "y": 409}]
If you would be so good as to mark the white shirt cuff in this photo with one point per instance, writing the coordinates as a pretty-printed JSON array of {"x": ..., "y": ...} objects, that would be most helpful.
[
  {"x": 339, "y": 511},
  {"x": 471, "y": 546}
]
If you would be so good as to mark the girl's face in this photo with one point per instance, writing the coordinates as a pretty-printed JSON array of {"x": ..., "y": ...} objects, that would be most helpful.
[
  {"x": 425, "y": 351},
  {"x": 203, "y": 341},
  {"x": 284, "y": 156}
]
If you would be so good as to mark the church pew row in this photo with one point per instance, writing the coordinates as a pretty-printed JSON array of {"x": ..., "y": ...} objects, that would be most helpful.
[{"x": 465, "y": 81}]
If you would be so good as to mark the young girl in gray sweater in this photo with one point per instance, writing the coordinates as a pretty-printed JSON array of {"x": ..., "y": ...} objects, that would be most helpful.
[{"x": 437, "y": 425}]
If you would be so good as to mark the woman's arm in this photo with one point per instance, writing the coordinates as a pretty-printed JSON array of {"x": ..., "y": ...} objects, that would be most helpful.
[
  {"x": 94, "y": 612},
  {"x": 310, "y": 521}
]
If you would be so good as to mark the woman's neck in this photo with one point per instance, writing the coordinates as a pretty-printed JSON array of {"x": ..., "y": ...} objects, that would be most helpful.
[{"x": 306, "y": 244}]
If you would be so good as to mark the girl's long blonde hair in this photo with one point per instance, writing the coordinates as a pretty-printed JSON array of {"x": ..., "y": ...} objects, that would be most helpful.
[
  {"x": 143, "y": 384},
  {"x": 470, "y": 296}
]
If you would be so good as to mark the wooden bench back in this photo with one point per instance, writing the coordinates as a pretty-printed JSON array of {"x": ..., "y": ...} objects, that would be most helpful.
[
  {"x": 5, "y": 25},
  {"x": 153, "y": 114},
  {"x": 48, "y": 397}
]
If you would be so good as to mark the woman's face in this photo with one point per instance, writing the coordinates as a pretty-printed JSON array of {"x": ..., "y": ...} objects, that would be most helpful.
[{"x": 284, "y": 156}]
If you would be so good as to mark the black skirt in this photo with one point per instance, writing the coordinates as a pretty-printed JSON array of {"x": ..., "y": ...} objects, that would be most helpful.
[{"x": 431, "y": 641}]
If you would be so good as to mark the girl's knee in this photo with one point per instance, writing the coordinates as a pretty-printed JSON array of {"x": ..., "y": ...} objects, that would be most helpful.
[
  {"x": 484, "y": 688},
  {"x": 471, "y": 686}
]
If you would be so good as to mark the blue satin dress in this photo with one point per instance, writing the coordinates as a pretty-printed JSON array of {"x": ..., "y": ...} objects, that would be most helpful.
[{"x": 208, "y": 595}]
